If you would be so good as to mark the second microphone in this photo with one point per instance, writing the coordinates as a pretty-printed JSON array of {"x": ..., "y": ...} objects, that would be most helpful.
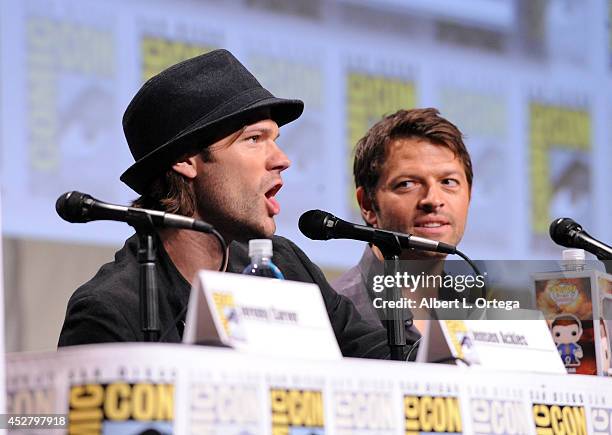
[{"x": 321, "y": 225}]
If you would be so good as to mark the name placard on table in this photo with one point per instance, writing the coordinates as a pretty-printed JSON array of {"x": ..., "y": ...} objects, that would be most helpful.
[
  {"x": 260, "y": 315},
  {"x": 524, "y": 345}
]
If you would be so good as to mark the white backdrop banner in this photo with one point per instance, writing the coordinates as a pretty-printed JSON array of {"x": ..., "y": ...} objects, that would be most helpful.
[
  {"x": 530, "y": 104},
  {"x": 2, "y": 346}
]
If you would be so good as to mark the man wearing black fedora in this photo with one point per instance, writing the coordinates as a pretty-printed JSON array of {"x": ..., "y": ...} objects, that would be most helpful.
[{"x": 203, "y": 136}]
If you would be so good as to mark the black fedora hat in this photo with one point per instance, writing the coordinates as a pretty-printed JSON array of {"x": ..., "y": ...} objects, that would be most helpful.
[{"x": 190, "y": 106}]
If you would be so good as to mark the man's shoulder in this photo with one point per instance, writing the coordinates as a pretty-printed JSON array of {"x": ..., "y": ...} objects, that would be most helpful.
[
  {"x": 105, "y": 308},
  {"x": 352, "y": 286},
  {"x": 112, "y": 282},
  {"x": 283, "y": 244},
  {"x": 352, "y": 283},
  {"x": 288, "y": 253},
  {"x": 349, "y": 283},
  {"x": 116, "y": 280}
]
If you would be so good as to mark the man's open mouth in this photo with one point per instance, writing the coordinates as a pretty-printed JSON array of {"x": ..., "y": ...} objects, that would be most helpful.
[{"x": 271, "y": 202}]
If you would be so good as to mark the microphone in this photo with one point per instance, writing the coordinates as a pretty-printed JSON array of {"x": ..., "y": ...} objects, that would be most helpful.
[
  {"x": 320, "y": 225},
  {"x": 566, "y": 232},
  {"x": 77, "y": 207}
]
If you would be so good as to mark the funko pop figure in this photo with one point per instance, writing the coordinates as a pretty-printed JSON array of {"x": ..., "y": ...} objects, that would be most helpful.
[{"x": 567, "y": 330}]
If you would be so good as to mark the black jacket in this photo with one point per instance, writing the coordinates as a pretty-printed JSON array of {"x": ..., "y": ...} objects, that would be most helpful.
[{"x": 106, "y": 309}]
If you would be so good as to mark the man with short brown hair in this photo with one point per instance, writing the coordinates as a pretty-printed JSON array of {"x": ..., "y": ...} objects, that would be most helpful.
[{"x": 413, "y": 175}]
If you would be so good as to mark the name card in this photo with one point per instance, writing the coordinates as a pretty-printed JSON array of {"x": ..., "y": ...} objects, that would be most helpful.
[
  {"x": 524, "y": 345},
  {"x": 260, "y": 315}
]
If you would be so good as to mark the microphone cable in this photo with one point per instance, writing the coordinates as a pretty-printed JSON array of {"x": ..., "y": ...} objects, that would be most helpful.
[{"x": 475, "y": 269}]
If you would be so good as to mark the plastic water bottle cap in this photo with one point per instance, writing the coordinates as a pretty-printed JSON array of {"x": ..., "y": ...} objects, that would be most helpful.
[
  {"x": 260, "y": 247},
  {"x": 574, "y": 255}
]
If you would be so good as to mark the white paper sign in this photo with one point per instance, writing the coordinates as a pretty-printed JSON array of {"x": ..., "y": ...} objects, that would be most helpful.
[
  {"x": 524, "y": 345},
  {"x": 260, "y": 315}
]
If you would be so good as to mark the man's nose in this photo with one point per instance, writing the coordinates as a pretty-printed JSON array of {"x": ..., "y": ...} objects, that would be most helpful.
[
  {"x": 277, "y": 159},
  {"x": 432, "y": 199}
]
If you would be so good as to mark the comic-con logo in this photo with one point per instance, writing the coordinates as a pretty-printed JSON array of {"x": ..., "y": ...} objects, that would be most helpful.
[
  {"x": 563, "y": 293},
  {"x": 499, "y": 417},
  {"x": 364, "y": 413},
  {"x": 31, "y": 401},
  {"x": 219, "y": 408},
  {"x": 297, "y": 412},
  {"x": 229, "y": 315},
  {"x": 432, "y": 414},
  {"x": 601, "y": 418},
  {"x": 559, "y": 419},
  {"x": 120, "y": 407}
]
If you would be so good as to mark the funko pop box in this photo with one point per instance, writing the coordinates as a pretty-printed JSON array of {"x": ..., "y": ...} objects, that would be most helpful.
[{"x": 578, "y": 308}]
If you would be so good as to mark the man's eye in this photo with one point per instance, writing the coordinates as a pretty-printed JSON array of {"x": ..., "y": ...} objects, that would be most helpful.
[
  {"x": 405, "y": 184},
  {"x": 450, "y": 182},
  {"x": 253, "y": 138}
]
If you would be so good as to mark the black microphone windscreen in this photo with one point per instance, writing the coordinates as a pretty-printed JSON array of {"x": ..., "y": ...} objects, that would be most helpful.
[
  {"x": 69, "y": 207},
  {"x": 560, "y": 231},
  {"x": 312, "y": 224}
]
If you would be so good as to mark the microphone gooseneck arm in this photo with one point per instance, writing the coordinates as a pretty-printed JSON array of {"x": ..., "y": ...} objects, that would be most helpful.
[
  {"x": 77, "y": 207},
  {"x": 321, "y": 225}
]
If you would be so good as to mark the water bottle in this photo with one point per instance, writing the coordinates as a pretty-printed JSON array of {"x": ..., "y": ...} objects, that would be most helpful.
[
  {"x": 260, "y": 251},
  {"x": 574, "y": 260}
]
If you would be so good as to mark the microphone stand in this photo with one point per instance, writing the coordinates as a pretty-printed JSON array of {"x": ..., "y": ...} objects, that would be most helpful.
[
  {"x": 147, "y": 266},
  {"x": 394, "y": 321}
]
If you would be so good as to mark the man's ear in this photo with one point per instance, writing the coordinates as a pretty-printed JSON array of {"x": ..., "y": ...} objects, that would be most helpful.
[
  {"x": 186, "y": 167},
  {"x": 366, "y": 207}
]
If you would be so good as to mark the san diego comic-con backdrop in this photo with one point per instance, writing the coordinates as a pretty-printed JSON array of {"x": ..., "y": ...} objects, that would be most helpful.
[{"x": 528, "y": 82}]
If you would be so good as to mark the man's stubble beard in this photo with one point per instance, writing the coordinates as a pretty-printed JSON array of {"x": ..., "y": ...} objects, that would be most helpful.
[{"x": 230, "y": 213}]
